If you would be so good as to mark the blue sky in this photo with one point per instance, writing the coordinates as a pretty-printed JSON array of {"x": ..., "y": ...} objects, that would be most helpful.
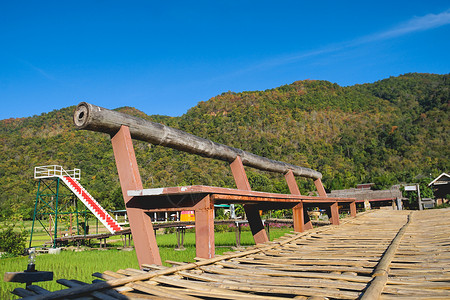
[{"x": 163, "y": 57}]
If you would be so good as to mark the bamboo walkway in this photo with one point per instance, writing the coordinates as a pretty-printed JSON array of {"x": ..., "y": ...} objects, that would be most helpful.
[{"x": 378, "y": 255}]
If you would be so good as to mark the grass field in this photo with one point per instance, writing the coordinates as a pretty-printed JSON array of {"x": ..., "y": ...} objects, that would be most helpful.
[
  {"x": 40, "y": 236},
  {"x": 81, "y": 265}
]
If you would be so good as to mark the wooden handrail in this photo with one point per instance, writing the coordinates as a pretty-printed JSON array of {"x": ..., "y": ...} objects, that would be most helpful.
[{"x": 91, "y": 117}]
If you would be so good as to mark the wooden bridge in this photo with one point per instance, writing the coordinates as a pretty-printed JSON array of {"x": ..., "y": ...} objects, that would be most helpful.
[
  {"x": 139, "y": 202},
  {"x": 380, "y": 254},
  {"x": 377, "y": 255}
]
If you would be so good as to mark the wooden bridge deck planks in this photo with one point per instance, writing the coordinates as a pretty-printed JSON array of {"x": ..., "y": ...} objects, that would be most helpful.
[
  {"x": 421, "y": 265},
  {"x": 378, "y": 255}
]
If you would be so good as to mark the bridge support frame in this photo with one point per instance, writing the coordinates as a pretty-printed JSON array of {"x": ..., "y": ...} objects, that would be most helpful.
[
  {"x": 333, "y": 210},
  {"x": 299, "y": 213},
  {"x": 130, "y": 179},
  {"x": 204, "y": 228},
  {"x": 251, "y": 211},
  {"x": 201, "y": 202}
]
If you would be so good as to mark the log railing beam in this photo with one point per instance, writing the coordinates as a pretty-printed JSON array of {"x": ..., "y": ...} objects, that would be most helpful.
[{"x": 91, "y": 117}]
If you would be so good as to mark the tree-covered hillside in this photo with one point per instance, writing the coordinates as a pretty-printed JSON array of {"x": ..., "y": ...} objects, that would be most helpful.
[{"x": 394, "y": 130}]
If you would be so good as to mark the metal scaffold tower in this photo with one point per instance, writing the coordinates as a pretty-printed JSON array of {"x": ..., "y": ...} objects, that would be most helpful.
[{"x": 57, "y": 200}]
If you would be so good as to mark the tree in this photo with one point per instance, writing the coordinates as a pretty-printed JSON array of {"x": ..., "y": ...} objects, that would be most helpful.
[{"x": 12, "y": 241}]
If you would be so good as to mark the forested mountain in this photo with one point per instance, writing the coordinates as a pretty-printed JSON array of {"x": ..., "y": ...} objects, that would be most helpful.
[{"x": 394, "y": 130}]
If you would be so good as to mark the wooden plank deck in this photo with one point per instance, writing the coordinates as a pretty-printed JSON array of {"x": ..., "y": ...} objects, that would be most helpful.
[{"x": 377, "y": 255}]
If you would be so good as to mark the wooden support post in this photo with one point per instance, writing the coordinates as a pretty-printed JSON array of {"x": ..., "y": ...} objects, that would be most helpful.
[
  {"x": 300, "y": 214},
  {"x": 204, "y": 228},
  {"x": 130, "y": 179},
  {"x": 353, "y": 209},
  {"x": 70, "y": 226},
  {"x": 252, "y": 211},
  {"x": 333, "y": 210},
  {"x": 334, "y": 213},
  {"x": 239, "y": 175},
  {"x": 180, "y": 232},
  {"x": 298, "y": 217},
  {"x": 320, "y": 188},
  {"x": 256, "y": 225},
  {"x": 238, "y": 233},
  {"x": 307, "y": 221}
]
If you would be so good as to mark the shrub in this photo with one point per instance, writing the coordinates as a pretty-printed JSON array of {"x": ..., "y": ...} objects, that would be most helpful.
[
  {"x": 224, "y": 228},
  {"x": 11, "y": 241}
]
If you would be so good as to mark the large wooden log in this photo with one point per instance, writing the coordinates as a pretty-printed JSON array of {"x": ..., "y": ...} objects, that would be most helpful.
[{"x": 91, "y": 117}]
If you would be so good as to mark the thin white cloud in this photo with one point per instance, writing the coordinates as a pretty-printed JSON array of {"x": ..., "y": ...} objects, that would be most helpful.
[
  {"x": 427, "y": 22},
  {"x": 39, "y": 70},
  {"x": 415, "y": 24}
]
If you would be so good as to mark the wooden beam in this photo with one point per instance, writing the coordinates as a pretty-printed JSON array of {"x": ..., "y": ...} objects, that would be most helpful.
[
  {"x": 90, "y": 117},
  {"x": 204, "y": 228},
  {"x": 141, "y": 225},
  {"x": 251, "y": 211},
  {"x": 297, "y": 211},
  {"x": 333, "y": 211}
]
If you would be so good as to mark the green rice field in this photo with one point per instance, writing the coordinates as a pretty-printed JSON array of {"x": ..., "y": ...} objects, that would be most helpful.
[{"x": 81, "y": 265}]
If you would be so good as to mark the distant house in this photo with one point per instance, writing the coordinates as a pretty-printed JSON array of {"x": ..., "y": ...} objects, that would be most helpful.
[{"x": 441, "y": 188}]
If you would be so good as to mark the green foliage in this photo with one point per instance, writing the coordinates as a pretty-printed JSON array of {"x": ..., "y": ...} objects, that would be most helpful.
[
  {"x": 384, "y": 181},
  {"x": 425, "y": 192},
  {"x": 443, "y": 205},
  {"x": 223, "y": 228},
  {"x": 220, "y": 214},
  {"x": 239, "y": 210},
  {"x": 12, "y": 240},
  {"x": 385, "y": 132},
  {"x": 281, "y": 213}
]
